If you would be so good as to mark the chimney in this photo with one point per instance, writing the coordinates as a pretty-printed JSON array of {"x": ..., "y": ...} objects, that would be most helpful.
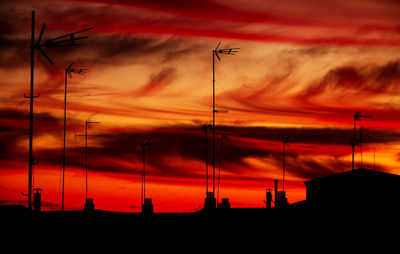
[
  {"x": 268, "y": 200},
  {"x": 147, "y": 207},
  {"x": 89, "y": 205},
  {"x": 37, "y": 200}
]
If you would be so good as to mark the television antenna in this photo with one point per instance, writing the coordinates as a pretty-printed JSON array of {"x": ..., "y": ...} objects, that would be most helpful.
[
  {"x": 86, "y": 154},
  {"x": 61, "y": 41},
  {"x": 144, "y": 145},
  {"x": 68, "y": 73},
  {"x": 357, "y": 117},
  {"x": 215, "y": 53}
]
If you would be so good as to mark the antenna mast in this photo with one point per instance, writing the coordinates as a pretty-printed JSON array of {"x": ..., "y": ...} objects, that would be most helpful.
[
  {"x": 215, "y": 52},
  {"x": 86, "y": 159},
  {"x": 68, "y": 73},
  {"x": 357, "y": 117},
  {"x": 205, "y": 127},
  {"x": 37, "y": 45},
  {"x": 31, "y": 97},
  {"x": 223, "y": 136},
  {"x": 144, "y": 145}
]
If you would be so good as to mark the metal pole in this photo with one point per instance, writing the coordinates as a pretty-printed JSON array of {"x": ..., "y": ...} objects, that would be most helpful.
[
  {"x": 86, "y": 154},
  {"x": 141, "y": 198},
  {"x": 206, "y": 155},
  {"x": 86, "y": 158},
  {"x": 31, "y": 113},
  {"x": 213, "y": 157},
  {"x": 360, "y": 144},
  {"x": 219, "y": 168},
  {"x": 283, "y": 176},
  {"x": 352, "y": 151},
  {"x": 144, "y": 174},
  {"x": 65, "y": 128},
  {"x": 353, "y": 144}
]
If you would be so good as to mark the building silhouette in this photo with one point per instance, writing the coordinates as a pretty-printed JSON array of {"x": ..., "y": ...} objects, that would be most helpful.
[{"x": 360, "y": 188}]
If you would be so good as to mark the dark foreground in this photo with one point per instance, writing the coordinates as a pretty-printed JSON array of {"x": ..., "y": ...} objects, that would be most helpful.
[
  {"x": 249, "y": 227},
  {"x": 272, "y": 215},
  {"x": 231, "y": 212}
]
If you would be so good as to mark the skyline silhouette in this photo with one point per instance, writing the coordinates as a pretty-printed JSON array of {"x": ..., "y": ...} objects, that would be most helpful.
[{"x": 297, "y": 77}]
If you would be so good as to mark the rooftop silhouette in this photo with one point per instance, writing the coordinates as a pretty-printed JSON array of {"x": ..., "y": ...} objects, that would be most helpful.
[{"x": 359, "y": 189}]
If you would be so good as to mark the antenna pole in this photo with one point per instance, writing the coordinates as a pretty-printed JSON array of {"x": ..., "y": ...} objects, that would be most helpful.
[
  {"x": 357, "y": 116},
  {"x": 86, "y": 157},
  {"x": 143, "y": 145},
  {"x": 361, "y": 159},
  {"x": 144, "y": 173},
  {"x": 219, "y": 168},
  {"x": 283, "y": 166},
  {"x": 65, "y": 128},
  {"x": 353, "y": 144},
  {"x": 141, "y": 191},
  {"x": 215, "y": 52},
  {"x": 37, "y": 45},
  {"x": 31, "y": 97},
  {"x": 206, "y": 154},
  {"x": 213, "y": 157}
]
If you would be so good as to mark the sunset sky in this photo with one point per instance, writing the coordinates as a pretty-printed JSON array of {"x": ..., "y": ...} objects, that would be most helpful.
[{"x": 303, "y": 69}]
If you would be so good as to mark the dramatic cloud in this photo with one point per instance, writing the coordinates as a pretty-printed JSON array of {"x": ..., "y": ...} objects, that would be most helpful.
[
  {"x": 187, "y": 143},
  {"x": 257, "y": 11},
  {"x": 157, "y": 82},
  {"x": 369, "y": 80}
]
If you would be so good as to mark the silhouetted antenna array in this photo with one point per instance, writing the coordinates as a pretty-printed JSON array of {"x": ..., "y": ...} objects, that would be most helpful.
[
  {"x": 228, "y": 51},
  {"x": 70, "y": 70},
  {"x": 363, "y": 140},
  {"x": 144, "y": 145},
  {"x": 86, "y": 158},
  {"x": 61, "y": 41},
  {"x": 216, "y": 52},
  {"x": 357, "y": 117},
  {"x": 68, "y": 40},
  {"x": 68, "y": 73}
]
